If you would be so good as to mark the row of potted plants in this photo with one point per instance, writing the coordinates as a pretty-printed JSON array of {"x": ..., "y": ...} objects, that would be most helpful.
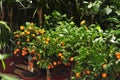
[
  {"x": 86, "y": 52},
  {"x": 89, "y": 51}
]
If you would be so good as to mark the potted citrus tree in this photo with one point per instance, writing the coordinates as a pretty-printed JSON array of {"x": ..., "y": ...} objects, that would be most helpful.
[
  {"x": 25, "y": 38},
  {"x": 96, "y": 56}
]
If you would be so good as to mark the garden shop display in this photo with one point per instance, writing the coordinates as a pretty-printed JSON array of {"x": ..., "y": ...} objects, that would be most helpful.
[{"x": 86, "y": 52}]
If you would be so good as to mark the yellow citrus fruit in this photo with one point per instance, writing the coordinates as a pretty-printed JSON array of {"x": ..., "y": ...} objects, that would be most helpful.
[
  {"x": 82, "y": 22},
  {"x": 21, "y": 27},
  {"x": 77, "y": 75},
  {"x": 71, "y": 59}
]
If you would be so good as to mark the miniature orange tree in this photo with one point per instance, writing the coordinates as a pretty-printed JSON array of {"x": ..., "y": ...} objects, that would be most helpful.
[
  {"x": 25, "y": 38},
  {"x": 96, "y": 57}
]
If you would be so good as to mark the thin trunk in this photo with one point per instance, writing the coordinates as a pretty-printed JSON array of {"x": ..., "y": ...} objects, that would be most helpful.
[
  {"x": 39, "y": 12},
  {"x": 48, "y": 77},
  {"x": 2, "y": 15},
  {"x": 10, "y": 15}
]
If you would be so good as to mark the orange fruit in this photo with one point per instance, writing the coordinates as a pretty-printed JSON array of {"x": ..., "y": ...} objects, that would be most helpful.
[
  {"x": 21, "y": 27},
  {"x": 46, "y": 42},
  {"x": 49, "y": 67},
  {"x": 104, "y": 75},
  {"x": 23, "y": 54},
  {"x": 33, "y": 35},
  {"x": 34, "y": 58},
  {"x": 54, "y": 63},
  {"x": 29, "y": 28},
  {"x": 14, "y": 52},
  {"x": 33, "y": 51},
  {"x": 118, "y": 57},
  {"x": 24, "y": 48},
  {"x": 71, "y": 59},
  {"x": 117, "y": 53},
  {"x": 88, "y": 72},
  {"x": 17, "y": 36},
  {"x": 60, "y": 54},
  {"x": 18, "y": 43},
  {"x": 27, "y": 32},
  {"x": 28, "y": 40},
  {"x": 48, "y": 39},
  {"x": 17, "y": 50},
  {"x": 77, "y": 75},
  {"x": 62, "y": 57}
]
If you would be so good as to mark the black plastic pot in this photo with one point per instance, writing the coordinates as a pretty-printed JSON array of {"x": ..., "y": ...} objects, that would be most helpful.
[{"x": 27, "y": 75}]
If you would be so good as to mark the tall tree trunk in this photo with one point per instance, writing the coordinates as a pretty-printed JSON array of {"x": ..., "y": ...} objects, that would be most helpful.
[{"x": 39, "y": 12}]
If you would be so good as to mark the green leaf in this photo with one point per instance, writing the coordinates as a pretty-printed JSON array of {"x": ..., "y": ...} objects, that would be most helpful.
[{"x": 108, "y": 10}]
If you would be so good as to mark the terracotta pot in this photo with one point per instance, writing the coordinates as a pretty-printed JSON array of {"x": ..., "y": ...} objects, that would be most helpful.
[
  {"x": 9, "y": 65},
  {"x": 26, "y": 75}
]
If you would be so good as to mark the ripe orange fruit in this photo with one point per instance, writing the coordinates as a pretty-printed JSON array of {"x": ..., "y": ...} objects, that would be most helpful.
[
  {"x": 54, "y": 63},
  {"x": 27, "y": 32},
  {"x": 21, "y": 27},
  {"x": 15, "y": 52},
  {"x": 118, "y": 57},
  {"x": 88, "y": 72},
  {"x": 71, "y": 59},
  {"x": 49, "y": 67},
  {"x": 18, "y": 43},
  {"x": 104, "y": 75},
  {"x": 117, "y": 54},
  {"x": 60, "y": 54},
  {"x": 34, "y": 58},
  {"x": 33, "y": 51},
  {"x": 77, "y": 75},
  {"x": 17, "y": 36}
]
